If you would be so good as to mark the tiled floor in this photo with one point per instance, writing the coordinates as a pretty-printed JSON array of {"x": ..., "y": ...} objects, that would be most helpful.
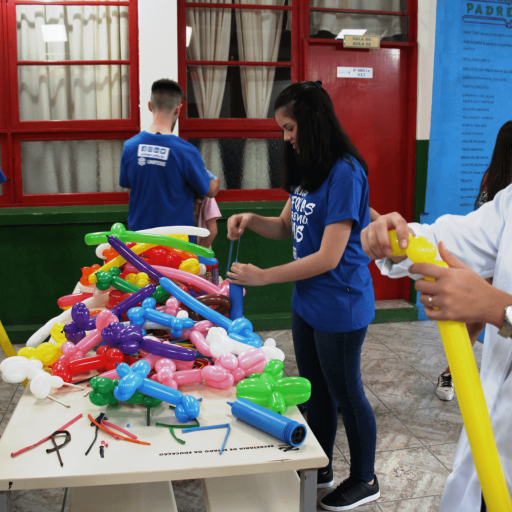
[{"x": 416, "y": 433}]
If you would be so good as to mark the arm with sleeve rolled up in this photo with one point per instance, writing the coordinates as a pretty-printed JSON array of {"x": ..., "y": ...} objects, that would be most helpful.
[{"x": 474, "y": 238}]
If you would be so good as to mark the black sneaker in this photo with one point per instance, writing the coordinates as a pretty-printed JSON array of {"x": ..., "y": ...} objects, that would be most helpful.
[
  {"x": 351, "y": 493},
  {"x": 324, "y": 479}
]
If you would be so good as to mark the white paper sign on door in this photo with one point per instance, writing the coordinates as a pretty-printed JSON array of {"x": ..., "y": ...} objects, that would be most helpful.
[{"x": 344, "y": 72}]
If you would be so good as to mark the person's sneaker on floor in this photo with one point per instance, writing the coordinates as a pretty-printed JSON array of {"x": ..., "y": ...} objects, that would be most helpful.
[
  {"x": 325, "y": 479},
  {"x": 444, "y": 389},
  {"x": 351, "y": 493}
]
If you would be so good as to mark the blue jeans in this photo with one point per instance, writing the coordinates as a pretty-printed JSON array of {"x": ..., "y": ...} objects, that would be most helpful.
[{"x": 332, "y": 362}]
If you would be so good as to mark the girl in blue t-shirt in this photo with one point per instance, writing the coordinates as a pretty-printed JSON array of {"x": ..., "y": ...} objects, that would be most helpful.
[{"x": 333, "y": 302}]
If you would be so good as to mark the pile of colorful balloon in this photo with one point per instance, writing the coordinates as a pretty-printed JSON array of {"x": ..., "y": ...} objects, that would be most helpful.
[{"x": 150, "y": 285}]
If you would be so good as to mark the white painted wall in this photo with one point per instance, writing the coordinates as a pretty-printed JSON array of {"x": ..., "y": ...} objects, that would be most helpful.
[
  {"x": 426, "y": 43},
  {"x": 158, "y": 49}
]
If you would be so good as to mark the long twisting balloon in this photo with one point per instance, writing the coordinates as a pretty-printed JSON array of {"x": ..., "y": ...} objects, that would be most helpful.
[{"x": 470, "y": 394}]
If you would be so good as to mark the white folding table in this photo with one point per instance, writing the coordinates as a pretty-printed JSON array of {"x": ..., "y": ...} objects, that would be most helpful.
[{"x": 132, "y": 468}]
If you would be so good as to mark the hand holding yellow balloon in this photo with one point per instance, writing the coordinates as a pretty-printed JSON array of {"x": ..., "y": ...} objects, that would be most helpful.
[{"x": 470, "y": 394}]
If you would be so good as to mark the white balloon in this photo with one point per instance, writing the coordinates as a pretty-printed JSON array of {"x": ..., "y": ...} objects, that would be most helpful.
[
  {"x": 182, "y": 314},
  {"x": 56, "y": 382},
  {"x": 272, "y": 353},
  {"x": 41, "y": 385},
  {"x": 202, "y": 269},
  {"x": 18, "y": 368},
  {"x": 270, "y": 342}
]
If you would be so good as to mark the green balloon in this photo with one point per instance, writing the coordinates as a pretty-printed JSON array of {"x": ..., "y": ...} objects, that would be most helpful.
[
  {"x": 277, "y": 403},
  {"x": 295, "y": 390},
  {"x": 255, "y": 390},
  {"x": 274, "y": 367},
  {"x": 121, "y": 233},
  {"x": 102, "y": 391}
]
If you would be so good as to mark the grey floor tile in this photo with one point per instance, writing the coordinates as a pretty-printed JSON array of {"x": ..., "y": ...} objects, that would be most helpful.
[
  {"x": 435, "y": 425},
  {"x": 387, "y": 370},
  {"x": 189, "y": 495},
  {"x": 419, "y": 352},
  {"x": 411, "y": 473},
  {"x": 431, "y": 372},
  {"x": 429, "y": 504},
  {"x": 43, "y": 500},
  {"x": 391, "y": 435},
  {"x": 445, "y": 453},
  {"x": 426, "y": 331},
  {"x": 6, "y": 394},
  {"x": 376, "y": 404},
  {"x": 410, "y": 394},
  {"x": 373, "y": 349}
]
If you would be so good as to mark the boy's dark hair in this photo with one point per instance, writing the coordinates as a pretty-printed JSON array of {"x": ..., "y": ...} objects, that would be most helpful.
[
  {"x": 499, "y": 173},
  {"x": 166, "y": 95},
  {"x": 320, "y": 138}
]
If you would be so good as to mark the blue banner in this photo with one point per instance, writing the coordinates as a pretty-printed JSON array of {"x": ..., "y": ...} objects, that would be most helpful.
[{"x": 472, "y": 99}]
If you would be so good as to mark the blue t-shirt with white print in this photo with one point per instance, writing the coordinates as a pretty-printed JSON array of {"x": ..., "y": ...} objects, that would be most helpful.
[
  {"x": 342, "y": 299},
  {"x": 162, "y": 172}
]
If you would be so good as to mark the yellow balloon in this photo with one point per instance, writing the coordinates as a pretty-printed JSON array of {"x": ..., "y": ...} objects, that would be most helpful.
[
  {"x": 470, "y": 394},
  {"x": 141, "y": 279},
  {"x": 48, "y": 353},
  {"x": 183, "y": 238},
  {"x": 191, "y": 265},
  {"x": 57, "y": 333}
]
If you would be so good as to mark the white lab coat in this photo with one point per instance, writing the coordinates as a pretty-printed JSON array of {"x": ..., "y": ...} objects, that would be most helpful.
[{"x": 483, "y": 241}]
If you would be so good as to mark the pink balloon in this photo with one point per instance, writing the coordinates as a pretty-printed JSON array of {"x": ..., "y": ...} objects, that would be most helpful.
[
  {"x": 223, "y": 384},
  {"x": 252, "y": 358},
  {"x": 165, "y": 363},
  {"x": 184, "y": 377},
  {"x": 199, "y": 341},
  {"x": 183, "y": 365},
  {"x": 228, "y": 361},
  {"x": 215, "y": 373},
  {"x": 238, "y": 374}
]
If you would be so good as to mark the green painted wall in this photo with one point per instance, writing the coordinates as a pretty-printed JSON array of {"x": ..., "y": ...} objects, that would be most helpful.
[
  {"x": 43, "y": 249},
  {"x": 420, "y": 190}
]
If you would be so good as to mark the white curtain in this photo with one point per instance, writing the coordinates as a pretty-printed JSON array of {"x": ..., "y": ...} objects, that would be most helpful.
[
  {"x": 259, "y": 37},
  {"x": 67, "y": 166},
  {"x": 54, "y": 32},
  {"x": 211, "y": 29},
  {"x": 382, "y": 25}
]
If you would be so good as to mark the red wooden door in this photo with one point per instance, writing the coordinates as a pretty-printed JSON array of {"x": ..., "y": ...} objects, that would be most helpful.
[{"x": 379, "y": 116}]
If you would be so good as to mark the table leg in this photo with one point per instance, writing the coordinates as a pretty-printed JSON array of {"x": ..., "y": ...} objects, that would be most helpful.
[
  {"x": 4, "y": 502},
  {"x": 308, "y": 490}
]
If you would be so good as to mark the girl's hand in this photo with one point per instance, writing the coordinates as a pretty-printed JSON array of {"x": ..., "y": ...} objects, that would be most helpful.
[
  {"x": 375, "y": 237},
  {"x": 246, "y": 274},
  {"x": 237, "y": 225}
]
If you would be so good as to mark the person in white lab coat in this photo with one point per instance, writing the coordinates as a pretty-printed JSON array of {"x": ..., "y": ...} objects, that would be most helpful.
[{"x": 482, "y": 240}]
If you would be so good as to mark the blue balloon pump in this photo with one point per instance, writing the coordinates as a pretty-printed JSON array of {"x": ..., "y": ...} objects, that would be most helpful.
[{"x": 289, "y": 431}]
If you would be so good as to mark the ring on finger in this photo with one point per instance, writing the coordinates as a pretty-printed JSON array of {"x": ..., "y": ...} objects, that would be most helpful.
[{"x": 430, "y": 301}]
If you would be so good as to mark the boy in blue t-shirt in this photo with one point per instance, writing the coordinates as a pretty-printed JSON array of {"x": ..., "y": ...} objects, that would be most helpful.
[{"x": 161, "y": 170}]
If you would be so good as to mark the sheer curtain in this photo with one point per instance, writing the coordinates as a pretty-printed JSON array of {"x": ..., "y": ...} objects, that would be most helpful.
[
  {"x": 259, "y": 36},
  {"x": 79, "y": 92},
  {"x": 211, "y": 29},
  {"x": 385, "y": 26}
]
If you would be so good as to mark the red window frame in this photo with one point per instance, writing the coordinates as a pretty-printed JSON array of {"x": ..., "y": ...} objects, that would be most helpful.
[
  {"x": 266, "y": 128},
  {"x": 17, "y": 131},
  {"x": 232, "y": 127}
]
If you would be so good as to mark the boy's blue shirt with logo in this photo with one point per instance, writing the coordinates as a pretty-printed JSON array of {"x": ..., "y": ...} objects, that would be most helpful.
[
  {"x": 342, "y": 299},
  {"x": 162, "y": 172}
]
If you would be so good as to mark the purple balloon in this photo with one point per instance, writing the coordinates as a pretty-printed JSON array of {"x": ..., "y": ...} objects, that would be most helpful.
[
  {"x": 81, "y": 322},
  {"x": 134, "y": 259},
  {"x": 134, "y": 299},
  {"x": 168, "y": 351},
  {"x": 126, "y": 338}
]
